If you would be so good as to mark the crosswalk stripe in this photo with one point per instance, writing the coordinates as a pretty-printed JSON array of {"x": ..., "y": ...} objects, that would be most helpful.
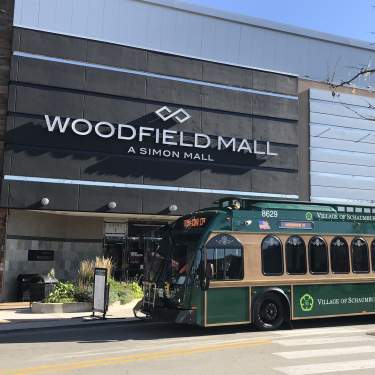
[
  {"x": 325, "y": 368},
  {"x": 326, "y": 352},
  {"x": 323, "y": 340},
  {"x": 319, "y": 331}
]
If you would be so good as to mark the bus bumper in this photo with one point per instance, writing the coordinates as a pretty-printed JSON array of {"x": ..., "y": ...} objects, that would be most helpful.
[
  {"x": 169, "y": 315},
  {"x": 174, "y": 315}
]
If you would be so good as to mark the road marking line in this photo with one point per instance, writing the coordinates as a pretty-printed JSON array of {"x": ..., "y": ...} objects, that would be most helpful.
[
  {"x": 110, "y": 361},
  {"x": 324, "y": 340},
  {"x": 325, "y": 368},
  {"x": 140, "y": 348},
  {"x": 137, "y": 348},
  {"x": 121, "y": 349},
  {"x": 326, "y": 352}
]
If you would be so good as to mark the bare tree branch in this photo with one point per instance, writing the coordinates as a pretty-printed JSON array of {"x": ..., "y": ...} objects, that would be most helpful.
[{"x": 362, "y": 72}]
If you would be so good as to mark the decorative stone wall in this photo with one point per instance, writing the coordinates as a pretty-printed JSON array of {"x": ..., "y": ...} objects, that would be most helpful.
[{"x": 71, "y": 238}]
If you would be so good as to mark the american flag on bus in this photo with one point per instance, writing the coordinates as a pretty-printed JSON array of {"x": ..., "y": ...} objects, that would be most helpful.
[{"x": 263, "y": 225}]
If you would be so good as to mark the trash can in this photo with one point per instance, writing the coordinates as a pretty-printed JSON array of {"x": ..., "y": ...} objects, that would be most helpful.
[
  {"x": 23, "y": 286},
  {"x": 41, "y": 286}
]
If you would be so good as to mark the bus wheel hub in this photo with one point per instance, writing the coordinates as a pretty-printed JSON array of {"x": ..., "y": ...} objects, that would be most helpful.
[{"x": 270, "y": 311}]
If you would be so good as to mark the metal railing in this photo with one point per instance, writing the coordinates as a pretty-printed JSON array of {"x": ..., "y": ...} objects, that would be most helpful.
[{"x": 149, "y": 295}]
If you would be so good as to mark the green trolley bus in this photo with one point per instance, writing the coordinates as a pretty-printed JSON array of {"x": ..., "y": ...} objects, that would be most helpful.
[{"x": 250, "y": 261}]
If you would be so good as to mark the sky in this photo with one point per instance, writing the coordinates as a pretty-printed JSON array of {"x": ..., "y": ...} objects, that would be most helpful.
[{"x": 350, "y": 18}]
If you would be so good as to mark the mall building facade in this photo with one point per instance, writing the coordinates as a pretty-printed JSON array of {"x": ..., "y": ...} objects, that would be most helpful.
[{"x": 118, "y": 116}]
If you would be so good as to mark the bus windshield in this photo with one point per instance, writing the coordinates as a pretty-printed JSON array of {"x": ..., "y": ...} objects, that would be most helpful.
[
  {"x": 184, "y": 248},
  {"x": 171, "y": 257}
]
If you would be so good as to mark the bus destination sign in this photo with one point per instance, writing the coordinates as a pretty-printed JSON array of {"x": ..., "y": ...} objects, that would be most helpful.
[{"x": 195, "y": 222}]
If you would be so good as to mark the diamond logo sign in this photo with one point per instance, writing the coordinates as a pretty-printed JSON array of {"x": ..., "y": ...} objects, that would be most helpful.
[{"x": 180, "y": 115}]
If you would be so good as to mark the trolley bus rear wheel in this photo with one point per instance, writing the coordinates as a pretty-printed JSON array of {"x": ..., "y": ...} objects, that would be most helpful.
[{"x": 269, "y": 312}]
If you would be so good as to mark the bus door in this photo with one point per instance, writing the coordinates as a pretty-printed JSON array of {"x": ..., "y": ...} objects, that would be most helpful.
[{"x": 226, "y": 300}]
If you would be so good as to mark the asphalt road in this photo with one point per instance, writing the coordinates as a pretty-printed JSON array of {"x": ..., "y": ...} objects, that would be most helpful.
[{"x": 340, "y": 346}]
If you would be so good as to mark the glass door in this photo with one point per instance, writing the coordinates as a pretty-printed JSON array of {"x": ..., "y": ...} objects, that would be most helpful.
[
  {"x": 115, "y": 248},
  {"x": 140, "y": 237}
]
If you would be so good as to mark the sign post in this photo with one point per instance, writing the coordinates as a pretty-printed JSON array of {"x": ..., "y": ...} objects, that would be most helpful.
[{"x": 101, "y": 292}]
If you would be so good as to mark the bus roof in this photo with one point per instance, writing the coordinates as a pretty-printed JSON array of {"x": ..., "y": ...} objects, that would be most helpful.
[{"x": 250, "y": 203}]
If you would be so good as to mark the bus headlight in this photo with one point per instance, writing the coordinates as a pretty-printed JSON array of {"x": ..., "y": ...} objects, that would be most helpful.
[{"x": 236, "y": 204}]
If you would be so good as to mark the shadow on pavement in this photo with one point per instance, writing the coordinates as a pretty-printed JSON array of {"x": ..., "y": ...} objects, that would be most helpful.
[{"x": 127, "y": 331}]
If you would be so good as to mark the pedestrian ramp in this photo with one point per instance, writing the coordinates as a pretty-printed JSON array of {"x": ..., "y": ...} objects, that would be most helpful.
[{"x": 326, "y": 353}]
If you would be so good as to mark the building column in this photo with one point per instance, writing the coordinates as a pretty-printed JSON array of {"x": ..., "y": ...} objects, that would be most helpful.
[
  {"x": 6, "y": 33},
  {"x": 3, "y": 220}
]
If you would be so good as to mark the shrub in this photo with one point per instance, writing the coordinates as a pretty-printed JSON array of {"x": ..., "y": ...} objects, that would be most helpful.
[
  {"x": 136, "y": 290},
  {"x": 87, "y": 268},
  {"x": 123, "y": 292},
  {"x": 102, "y": 262},
  {"x": 83, "y": 294},
  {"x": 86, "y": 272},
  {"x": 63, "y": 293},
  {"x": 82, "y": 291}
]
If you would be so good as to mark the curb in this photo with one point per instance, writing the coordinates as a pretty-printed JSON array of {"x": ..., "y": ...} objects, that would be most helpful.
[{"x": 82, "y": 323}]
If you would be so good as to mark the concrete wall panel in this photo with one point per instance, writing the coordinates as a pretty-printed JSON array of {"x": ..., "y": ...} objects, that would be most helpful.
[
  {"x": 193, "y": 31},
  {"x": 342, "y": 153},
  {"x": 174, "y": 66}
]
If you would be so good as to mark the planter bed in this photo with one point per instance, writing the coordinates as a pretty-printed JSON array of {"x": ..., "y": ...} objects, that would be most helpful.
[{"x": 50, "y": 308}]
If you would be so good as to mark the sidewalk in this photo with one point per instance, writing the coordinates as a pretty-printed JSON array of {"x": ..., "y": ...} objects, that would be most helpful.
[{"x": 18, "y": 316}]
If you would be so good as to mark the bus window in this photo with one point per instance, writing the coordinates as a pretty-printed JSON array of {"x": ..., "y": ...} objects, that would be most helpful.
[
  {"x": 225, "y": 254},
  {"x": 272, "y": 256},
  {"x": 295, "y": 251},
  {"x": 318, "y": 255},
  {"x": 360, "y": 260},
  {"x": 339, "y": 255},
  {"x": 373, "y": 255}
]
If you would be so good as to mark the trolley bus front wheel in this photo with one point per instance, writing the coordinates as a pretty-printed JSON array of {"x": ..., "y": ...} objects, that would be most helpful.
[{"x": 269, "y": 312}]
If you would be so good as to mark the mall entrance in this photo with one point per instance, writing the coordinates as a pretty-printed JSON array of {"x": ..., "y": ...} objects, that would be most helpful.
[{"x": 127, "y": 249}]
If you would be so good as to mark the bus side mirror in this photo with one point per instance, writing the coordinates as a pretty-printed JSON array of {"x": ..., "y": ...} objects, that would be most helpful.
[{"x": 205, "y": 275}]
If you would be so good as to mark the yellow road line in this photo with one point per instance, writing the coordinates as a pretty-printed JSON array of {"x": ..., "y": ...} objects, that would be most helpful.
[{"x": 110, "y": 361}]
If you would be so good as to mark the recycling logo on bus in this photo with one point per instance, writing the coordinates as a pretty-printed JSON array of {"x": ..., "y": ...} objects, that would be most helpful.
[
  {"x": 309, "y": 215},
  {"x": 306, "y": 302}
]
